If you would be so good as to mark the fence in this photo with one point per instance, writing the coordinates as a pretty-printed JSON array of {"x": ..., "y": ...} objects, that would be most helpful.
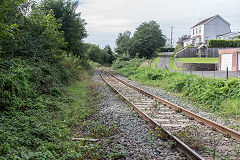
[
  {"x": 193, "y": 52},
  {"x": 195, "y": 66}
]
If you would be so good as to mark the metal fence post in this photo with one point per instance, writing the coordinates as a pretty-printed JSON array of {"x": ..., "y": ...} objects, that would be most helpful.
[
  {"x": 215, "y": 70},
  {"x": 227, "y": 73}
]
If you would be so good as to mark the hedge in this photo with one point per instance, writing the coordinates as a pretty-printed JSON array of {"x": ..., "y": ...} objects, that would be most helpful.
[
  {"x": 166, "y": 49},
  {"x": 217, "y": 43}
]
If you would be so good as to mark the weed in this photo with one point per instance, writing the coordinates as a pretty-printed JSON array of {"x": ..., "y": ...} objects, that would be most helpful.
[
  {"x": 189, "y": 135},
  {"x": 118, "y": 152},
  {"x": 156, "y": 105},
  {"x": 172, "y": 143}
]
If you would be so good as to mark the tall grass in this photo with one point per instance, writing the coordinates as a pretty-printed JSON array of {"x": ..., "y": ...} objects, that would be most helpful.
[
  {"x": 171, "y": 62},
  {"x": 155, "y": 61}
]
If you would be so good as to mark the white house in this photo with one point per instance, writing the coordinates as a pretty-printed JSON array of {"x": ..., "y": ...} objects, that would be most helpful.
[{"x": 214, "y": 27}]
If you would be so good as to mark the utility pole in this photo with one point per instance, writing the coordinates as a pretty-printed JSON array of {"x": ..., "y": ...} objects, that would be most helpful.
[{"x": 171, "y": 37}]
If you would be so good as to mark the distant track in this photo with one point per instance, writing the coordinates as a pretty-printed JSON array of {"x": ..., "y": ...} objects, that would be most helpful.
[{"x": 166, "y": 115}]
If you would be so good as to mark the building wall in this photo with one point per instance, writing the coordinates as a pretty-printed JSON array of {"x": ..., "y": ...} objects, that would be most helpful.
[
  {"x": 193, "y": 52},
  {"x": 235, "y": 59},
  {"x": 196, "y": 29},
  {"x": 215, "y": 27},
  {"x": 203, "y": 34}
]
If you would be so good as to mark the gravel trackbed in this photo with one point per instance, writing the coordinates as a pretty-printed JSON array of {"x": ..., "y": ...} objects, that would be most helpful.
[{"x": 134, "y": 134}]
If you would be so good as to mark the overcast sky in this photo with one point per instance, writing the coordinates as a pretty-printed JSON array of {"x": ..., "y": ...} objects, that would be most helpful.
[{"x": 107, "y": 18}]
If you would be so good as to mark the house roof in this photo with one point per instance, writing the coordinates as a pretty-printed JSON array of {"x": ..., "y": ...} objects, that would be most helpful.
[
  {"x": 202, "y": 46},
  {"x": 203, "y": 21},
  {"x": 208, "y": 19}
]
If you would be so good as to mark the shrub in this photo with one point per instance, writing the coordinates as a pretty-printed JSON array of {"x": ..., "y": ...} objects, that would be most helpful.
[
  {"x": 23, "y": 80},
  {"x": 35, "y": 110},
  {"x": 126, "y": 62},
  {"x": 166, "y": 49},
  {"x": 178, "y": 48},
  {"x": 217, "y": 43}
]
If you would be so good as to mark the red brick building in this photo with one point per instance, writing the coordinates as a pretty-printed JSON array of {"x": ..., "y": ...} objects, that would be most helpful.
[{"x": 230, "y": 58}]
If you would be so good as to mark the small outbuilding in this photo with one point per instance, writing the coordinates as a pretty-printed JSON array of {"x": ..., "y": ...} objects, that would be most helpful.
[
  {"x": 202, "y": 50},
  {"x": 229, "y": 58}
]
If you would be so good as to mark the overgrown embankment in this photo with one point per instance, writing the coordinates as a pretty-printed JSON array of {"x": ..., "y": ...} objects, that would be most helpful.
[
  {"x": 36, "y": 109},
  {"x": 44, "y": 81},
  {"x": 42, "y": 106},
  {"x": 217, "y": 95}
]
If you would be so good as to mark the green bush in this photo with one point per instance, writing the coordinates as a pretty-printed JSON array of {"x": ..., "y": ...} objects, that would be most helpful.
[
  {"x": 166, "y": 49},
  {"x": 23, "y": 80},
  {"x": 34, "y": 108},
  {"x": 178, "y": 48},
  {"x": 217, "y": 43},
  {"x": 125, "y": 61}
]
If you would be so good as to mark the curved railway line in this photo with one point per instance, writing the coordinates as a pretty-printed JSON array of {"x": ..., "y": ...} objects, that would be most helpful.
[{"x": 196, "y": 136}]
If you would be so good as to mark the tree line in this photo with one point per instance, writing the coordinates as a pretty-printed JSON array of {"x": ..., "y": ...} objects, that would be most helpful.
[{"x": 50, "y": 28}]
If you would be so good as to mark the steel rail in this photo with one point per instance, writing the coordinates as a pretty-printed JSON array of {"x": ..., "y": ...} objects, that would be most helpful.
[
  {"x": 215, "y": 126},
  {"x": 180, "y": 146}
]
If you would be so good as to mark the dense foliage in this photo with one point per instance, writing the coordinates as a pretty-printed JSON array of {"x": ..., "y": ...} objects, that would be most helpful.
[
  {"x": 164, "y": 49},
  {"x": 73, "y": 26},
  {"x": 144, "y": 42},
  {"x": 34, "y": 105},
  {"x": 182, "y": 39},
  {"x": 122, "y": 43},
  {"x": 217, "y": 43},
  {"x": 96, "y": 54},
  {"x": 213, "y": 93},
  {"x": 126, "y": 61},
  {"x": 44, "y": 82},
  {"x": 41, "y": 54}
]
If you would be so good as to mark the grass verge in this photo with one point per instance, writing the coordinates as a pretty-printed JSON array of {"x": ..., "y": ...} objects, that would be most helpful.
[
  {"x": 171, "y": 62},
  {"x": 198, "y": 60},
  {"x": 155, "y": 61}
]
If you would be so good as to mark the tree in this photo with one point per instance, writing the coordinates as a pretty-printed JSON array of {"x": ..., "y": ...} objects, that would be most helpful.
[
  {"x": 36, "y": 33},
  {"x": 122, "y": 42},
  {"x": 73, "y": 25},
  {"x": 109, "y": 51},
  {"x": 9, "y": 13},
  {"x": 183, "y": 38},
  {"x": 147, "y": 38}
]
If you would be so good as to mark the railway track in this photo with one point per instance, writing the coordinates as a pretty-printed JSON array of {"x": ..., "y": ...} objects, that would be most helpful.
[{"x": 197, "y": 137}]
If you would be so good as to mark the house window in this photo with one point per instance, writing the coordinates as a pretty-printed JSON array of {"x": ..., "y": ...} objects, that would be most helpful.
[
  {"x": 200, "y": 30},
  {"x": 196, "y": 30},
  {"x": 193, "y": 31}
]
